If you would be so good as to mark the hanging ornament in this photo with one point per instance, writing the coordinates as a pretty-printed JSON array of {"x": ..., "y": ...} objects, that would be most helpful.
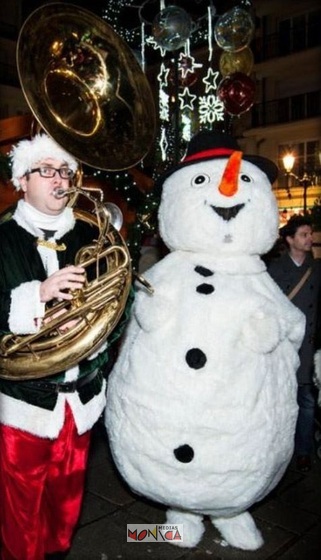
[
  {"x": 186, "y": 99},
  {"x": 241, "y": 61},
  {"x": 163, "y": 76},
  {"x": 187, "y": 81},
  {"x": 187, "y": 65},
  {"x": 210, "y": 109},
  {"x": 237, "y": 93},
  {"x": 234, "y": 30},
  {"x": 210, "y": 80},
  {"x": 150, "y": 41},
  {"x": 186, "y": 75},
  {"x": 171, "y": 28}
]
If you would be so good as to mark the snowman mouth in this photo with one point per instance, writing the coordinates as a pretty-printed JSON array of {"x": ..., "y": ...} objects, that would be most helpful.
[{"x": 228, "y": 213}]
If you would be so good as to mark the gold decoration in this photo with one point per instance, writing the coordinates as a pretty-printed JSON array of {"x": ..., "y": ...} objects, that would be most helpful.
[{"x": 51, "y": 245}]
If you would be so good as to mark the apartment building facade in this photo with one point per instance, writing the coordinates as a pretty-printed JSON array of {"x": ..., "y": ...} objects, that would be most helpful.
[{"x": 286, "y": 115}]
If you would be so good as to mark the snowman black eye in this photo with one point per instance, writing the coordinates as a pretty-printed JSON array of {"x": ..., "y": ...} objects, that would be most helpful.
[
  {"x": 200, "y": 180},
  {"x": 246, "y": 178}
]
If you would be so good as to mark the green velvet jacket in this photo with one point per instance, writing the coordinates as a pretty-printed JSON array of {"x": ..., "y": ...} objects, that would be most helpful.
[{"x": 20, "y": 262}]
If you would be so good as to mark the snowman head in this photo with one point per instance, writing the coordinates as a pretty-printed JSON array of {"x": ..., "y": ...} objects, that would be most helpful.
[{"x": 219, "y": 200}]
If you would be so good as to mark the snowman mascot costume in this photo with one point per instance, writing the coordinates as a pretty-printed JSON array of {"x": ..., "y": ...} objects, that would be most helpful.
[{"x": 201, "y": 404}]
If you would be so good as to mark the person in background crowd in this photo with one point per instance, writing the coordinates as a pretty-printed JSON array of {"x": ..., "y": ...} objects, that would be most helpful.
[
  {"x": 45, "y": 424},
  {"x": 299, "y": 276}
]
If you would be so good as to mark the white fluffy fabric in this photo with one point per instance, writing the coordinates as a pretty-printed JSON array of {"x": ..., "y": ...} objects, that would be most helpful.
[
  {"x": 48, "y": 423},
  {"x": 33, "y": 220},
  {"x": 27, "y": 153},
  {"x": 26, "y": 297},
  {"x": 201, "y": 404},
  {"x": 317, "y": 373},
  {"x": 193, "y": 527},
  {"x": 240, "y": 531}
]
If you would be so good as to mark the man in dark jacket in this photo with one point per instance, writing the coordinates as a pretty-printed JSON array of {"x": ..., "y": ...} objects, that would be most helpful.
[{"x": 294, "y": 264}]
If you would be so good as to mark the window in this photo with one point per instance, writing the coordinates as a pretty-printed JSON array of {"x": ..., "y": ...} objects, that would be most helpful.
[{"x": 299, "y": 33}]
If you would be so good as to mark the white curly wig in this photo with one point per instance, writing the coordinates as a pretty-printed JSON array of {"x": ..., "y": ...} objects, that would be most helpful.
[{"x": 29, "y": 152}]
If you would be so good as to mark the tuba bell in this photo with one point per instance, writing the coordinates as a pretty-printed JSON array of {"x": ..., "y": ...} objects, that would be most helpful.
[{"x": 87, "y": 91}]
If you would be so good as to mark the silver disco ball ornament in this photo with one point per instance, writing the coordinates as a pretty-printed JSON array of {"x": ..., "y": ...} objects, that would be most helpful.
[{"x": 171, "y": 28}]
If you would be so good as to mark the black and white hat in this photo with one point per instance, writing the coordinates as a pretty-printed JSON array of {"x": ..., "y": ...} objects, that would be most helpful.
[{"x": 207, "y": 145}]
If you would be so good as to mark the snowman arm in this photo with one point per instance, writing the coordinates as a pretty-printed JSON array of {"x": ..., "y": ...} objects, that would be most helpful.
[
  {"x": 269, "y": 324},
  {"x": 293, "y": 324},
  {"x": 317, "y": 366},
  {"x": 317, "y": 373},
  {"x": 153, "y": 310},
  {"x": 261, "y": 332}
]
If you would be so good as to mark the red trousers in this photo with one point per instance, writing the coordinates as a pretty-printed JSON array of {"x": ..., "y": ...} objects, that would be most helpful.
[{"x": 41, "y": 490}]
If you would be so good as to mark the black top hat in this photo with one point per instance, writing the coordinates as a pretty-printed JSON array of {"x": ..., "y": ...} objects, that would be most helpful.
[{"x": 207, "y": 144}]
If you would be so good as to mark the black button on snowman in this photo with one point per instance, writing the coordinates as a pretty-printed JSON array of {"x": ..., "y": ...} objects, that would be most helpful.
[{"x": 201, "y": 404}]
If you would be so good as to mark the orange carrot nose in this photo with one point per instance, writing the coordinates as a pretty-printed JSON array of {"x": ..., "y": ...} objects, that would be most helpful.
[{"x": 229, "y": 182}]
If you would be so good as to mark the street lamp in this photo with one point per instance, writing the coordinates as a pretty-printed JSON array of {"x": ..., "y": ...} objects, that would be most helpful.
[{"x": 305, "y": 181}]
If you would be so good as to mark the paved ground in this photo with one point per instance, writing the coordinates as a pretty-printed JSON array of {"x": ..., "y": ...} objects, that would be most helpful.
[{"x": 290, "y": 519}]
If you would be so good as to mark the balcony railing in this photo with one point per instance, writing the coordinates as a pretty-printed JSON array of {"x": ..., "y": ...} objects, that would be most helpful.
[{"x": 289, "y": 109}]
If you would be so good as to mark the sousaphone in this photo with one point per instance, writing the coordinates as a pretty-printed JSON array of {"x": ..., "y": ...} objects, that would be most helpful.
[{"x": 88, "y": 92}]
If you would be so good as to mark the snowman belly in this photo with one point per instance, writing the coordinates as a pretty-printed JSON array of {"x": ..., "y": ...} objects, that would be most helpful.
[{"x": 195, "y": 419}]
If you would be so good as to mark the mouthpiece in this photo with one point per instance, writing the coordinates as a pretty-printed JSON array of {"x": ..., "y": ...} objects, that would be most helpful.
[{"x": 60, "y": 193}]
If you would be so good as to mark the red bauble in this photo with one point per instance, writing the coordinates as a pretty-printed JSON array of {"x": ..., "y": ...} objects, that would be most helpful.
[{"x": 237, "y": 93}]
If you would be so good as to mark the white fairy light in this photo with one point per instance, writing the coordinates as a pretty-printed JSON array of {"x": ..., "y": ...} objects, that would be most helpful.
[
  {"x": 163, "y": 105},
  {"x": 163, "y": 144},
  {"x": 186, "y": 99},
  {"x": 186, "y": 62},
  {"x": 187, "y": 65},
  {"x": 152, "y": 43},
  {"x": 162, "y": 77},
  {"x": 210, "y": 80},
  {"x": 210, "y": 33},
  {"x": 143, "y": 45},
  {"x": 211, "y": 109},
  {"x": 186, "y": 127}
]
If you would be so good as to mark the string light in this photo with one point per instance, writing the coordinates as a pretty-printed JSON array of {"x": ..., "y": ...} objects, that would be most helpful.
[
  {"x": 112, "y": 14},
  {"x": 209, "y": 107},
  {"x": 143, "y": 46},
  {"x": 186, "y": 127},
  {"x": 210, "y": 33},
  {"x": 163, "y": 105}
]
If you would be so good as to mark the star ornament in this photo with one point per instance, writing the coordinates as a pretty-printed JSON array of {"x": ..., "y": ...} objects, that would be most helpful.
[
  {"x": 186, "y": 99},
  {"x": 187, "y": 64},
  {"x": 210, "y": 80},
  {"x": 163, "y": 76},
  {"x": 152, "y": 43}
]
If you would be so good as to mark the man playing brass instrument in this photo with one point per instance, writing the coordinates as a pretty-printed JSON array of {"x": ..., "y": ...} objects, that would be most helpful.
[{"x": 45, "y": 424}]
